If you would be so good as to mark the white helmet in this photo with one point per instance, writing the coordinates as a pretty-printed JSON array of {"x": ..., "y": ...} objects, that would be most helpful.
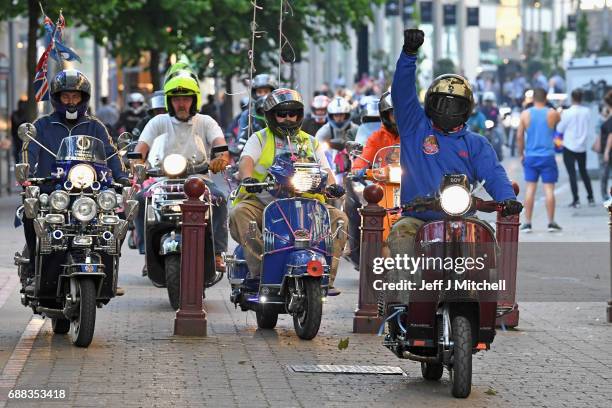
[
  {"x": 136, "y": 102},
  {"x": 488, "y": 96},
  {"x": 337, "y": 106},
  {"x": 319, "y": 102},
  {"x": 158, "y": 100}
]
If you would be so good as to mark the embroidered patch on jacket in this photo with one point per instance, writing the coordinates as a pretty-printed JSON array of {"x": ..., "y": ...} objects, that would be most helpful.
[
  {"x": 430, "y": 145},
  {"x": 463, "y": 153}
]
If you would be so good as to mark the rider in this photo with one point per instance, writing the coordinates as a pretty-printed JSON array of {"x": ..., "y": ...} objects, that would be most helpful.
[
  {"x": 477, "y": 122},
  {"x": 435, "y": 142},
  {"x": 136, "y": 110},
  {"x": 262, "y": 85},
  {"x": 489, "y": 108},
  {"x": 339, "y": 125},
  {"x": 387, "y": 135},
  {"x": 70, "y": 94},
  {"x": 182, "y": 124},
  {"x": 317, "y": 117},
  {"x": 284, "y": 112},
  {"x": 158, "y": 107}
]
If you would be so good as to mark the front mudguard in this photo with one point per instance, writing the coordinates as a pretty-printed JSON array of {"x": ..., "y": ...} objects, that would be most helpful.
[
  {"x": 170, "y": 244},
  {"x": 78, "y": 267}
]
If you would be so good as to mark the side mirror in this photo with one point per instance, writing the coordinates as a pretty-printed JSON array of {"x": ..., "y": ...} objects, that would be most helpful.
[
  {"x": 26, "y": 131},
  {"x": 141, "y": 172},
  {"x": 124, "y": 140},
  {"x": 22, "y": 170}
]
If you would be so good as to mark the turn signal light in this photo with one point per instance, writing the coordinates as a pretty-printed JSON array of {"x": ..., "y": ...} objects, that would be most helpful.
[
  {"x": 418, "y": 343},
  {"x": 481, "y": 346},
  {"x": 314, "y": 268}
]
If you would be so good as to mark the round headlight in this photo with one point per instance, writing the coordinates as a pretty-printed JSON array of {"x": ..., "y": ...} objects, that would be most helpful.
[
  {"x": 59, "y": 200},
  {"x": 43, "y": 199},
  {"x": 107, "y": 200},
  {"x": 455, "y": 200},
  {"x": 84, "y": 209},
  {"x": 82, "y": 176},
  {"x": 174, "y": 164}
]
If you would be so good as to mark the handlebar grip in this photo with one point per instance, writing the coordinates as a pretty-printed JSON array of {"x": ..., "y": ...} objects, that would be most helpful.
[{"x": 200, "y": 168}]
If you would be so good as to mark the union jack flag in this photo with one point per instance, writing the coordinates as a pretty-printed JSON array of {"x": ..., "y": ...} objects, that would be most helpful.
[
  {"x": 41, "y": 85},
  {"x": 59, "y": 51}
]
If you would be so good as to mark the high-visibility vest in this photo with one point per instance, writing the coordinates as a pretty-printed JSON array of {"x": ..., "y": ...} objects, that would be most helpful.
[{"x": 268, "y": 152}]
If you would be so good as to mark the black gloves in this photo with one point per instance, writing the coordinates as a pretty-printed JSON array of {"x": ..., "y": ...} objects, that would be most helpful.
[
  {"x": 125, "y": 182},
  {"x": 511, "y": 207},
  {"x": 334, "y": 191},
  {"x": 413, "y": 39},
  {"x": 252, "y": 189}
]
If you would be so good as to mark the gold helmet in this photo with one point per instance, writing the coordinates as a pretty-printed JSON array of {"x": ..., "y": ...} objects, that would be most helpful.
[{"x": 449, "y": 101}]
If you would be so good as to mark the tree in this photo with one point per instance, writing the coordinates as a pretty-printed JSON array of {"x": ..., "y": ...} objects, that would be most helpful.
[
  {"x": 582, "y": 36},
  {"x": 444, "y": 66}
]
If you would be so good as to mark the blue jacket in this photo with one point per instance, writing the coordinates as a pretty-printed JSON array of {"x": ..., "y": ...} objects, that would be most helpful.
[
  {"x": 51, "y": 129},
  {"x": 427, "y": 154},
  {"x": 243, "y": 125}
]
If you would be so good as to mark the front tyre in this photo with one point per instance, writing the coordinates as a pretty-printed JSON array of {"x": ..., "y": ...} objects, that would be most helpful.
[
  {"x": 462, "y": 357},
  {"x": 306, "y": 323},
  {"x": 172, "y": 265},
  {"x": 432, "y": 371},
  {"x": 82, "y": 328},
  {"x": 60, "y": 326},
  {"x": 266, "y": 318}
]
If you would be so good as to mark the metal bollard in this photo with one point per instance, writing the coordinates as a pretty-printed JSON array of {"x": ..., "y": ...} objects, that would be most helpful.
[
  {"x": 366, "y": 319},
  {"x": 190, "y": 319}
]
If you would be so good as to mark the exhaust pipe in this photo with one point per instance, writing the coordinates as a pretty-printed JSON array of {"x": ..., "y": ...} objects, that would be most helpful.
[{"x": 422, "y": 359}]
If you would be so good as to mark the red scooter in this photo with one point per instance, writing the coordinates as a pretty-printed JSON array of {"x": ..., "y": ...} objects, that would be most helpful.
[{"x": 452, "y": 302}]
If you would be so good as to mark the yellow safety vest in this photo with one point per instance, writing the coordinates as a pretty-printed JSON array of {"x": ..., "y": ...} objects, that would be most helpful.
[{"x": 268, "y": 152}]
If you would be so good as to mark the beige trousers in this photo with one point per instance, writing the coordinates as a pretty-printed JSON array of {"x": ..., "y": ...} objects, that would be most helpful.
[{"x": 252, "y": 242}]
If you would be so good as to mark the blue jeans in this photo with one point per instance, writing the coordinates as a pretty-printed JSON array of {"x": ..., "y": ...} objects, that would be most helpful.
[{"x": 219, "y": 218}]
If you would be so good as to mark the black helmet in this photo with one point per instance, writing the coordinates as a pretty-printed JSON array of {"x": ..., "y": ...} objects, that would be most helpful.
[
  {"x": 284, "y": 99},
  {"x": 70, "y": 80},
  {"x": 263, "y": 81},
  {"x": 449, "y": 101},
  {"x": 385, "y": 108}
]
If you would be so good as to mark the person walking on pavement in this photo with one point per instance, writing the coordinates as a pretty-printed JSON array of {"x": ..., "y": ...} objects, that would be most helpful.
[
  {"x": 537, "y": 154},
  {"x": 575, "y": 126},
  {"x": 605, "y": 144}
]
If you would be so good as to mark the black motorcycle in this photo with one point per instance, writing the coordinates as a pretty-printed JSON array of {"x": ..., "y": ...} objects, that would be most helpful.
[{"x": 74, "y": 214}]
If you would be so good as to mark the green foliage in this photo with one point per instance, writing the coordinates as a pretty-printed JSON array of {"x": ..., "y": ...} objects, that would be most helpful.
[
  {"x": 444, "y": 66},
  {"x": 582, "y": 36}
]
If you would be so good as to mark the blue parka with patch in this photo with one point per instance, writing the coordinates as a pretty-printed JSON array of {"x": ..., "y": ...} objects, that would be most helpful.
[
  {"x": 427, "y": 154},
  {"x": 51, "y": 129}
]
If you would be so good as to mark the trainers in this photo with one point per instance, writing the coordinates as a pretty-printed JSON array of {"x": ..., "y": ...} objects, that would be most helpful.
[
  {"x": 526, "y": 227},
  {"x": 331, "y": 291},
  {"x": 591, "y": 202},
  {"x": 553, "y": 227},
  {"x": 574, "y": 204}
]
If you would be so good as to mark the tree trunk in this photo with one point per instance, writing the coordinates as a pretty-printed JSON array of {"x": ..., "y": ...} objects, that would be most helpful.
[
  {"x": 33, "y": 11},
  {"x": 227, "y": 102},
  {"x": 154, "y": 69}
]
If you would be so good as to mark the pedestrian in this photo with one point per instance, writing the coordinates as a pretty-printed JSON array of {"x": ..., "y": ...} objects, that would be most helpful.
[
  {"x": 536, "y": 150},
  {"x": 605, "y": 143},
  {"x": 575, "y": 126},
  {"x": 18, "y": 117}
]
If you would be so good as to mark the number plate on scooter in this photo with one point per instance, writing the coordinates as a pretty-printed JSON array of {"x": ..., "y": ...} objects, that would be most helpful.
[{"x": 347, "y": 369}]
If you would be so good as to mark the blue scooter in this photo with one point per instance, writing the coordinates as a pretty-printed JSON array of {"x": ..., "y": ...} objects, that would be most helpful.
[{"x": 297, "y": 240}]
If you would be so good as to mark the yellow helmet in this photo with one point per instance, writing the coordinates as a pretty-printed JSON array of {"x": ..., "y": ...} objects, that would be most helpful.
[{"x": 182, "y": 82}]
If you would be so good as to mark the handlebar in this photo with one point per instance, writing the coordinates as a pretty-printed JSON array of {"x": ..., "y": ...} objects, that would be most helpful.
[
  {"x": 433, "y": 204},
  {"x": 191, "y": 170}
]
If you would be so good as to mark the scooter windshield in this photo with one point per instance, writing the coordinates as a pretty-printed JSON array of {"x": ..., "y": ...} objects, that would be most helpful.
[
  {"x": 164, "y": 145},
  {"x": 386, "y": 164},
  {"x": 82, "y": 148},
  {"x": 365, "y": 130}
]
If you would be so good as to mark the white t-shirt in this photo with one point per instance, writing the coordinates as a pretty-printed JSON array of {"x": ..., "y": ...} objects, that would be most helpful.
[
  {"x": 576, "y": 127},
  {"x": 193, "y": 139}
]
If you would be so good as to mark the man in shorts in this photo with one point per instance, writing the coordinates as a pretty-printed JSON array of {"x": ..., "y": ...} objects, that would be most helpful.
[{"x": 536, "y": 150}]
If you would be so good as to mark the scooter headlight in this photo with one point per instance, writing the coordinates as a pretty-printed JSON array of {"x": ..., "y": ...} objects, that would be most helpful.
[
  {"x": 174, "y": 164},
  {"x": 59, "y": 200},
  {"x": 305, "y": 180},
  {"x": 107, "y": 200},
  {"x": 82, "y": 176},
  {"x": 395, "y": 174},
  {"x": 84, "y": 209},
  {"x": 455, "y": 200}
]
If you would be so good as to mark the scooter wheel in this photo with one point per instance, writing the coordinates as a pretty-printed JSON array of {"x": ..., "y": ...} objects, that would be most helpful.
[
  {"x": 266, "y": 318},
  {"x": 60, "y": 326},
  {"x": 462, "y": 357},
  {"x": 432, "y": 371}
]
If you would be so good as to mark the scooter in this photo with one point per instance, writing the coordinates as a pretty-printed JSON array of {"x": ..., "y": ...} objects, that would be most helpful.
[
  {"x": 297, "y": 250},
  {"x": 451, "y": 309}
]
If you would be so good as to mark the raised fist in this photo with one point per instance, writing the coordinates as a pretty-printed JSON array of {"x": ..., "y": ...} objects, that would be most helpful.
[{"x": 413, "y": 39}]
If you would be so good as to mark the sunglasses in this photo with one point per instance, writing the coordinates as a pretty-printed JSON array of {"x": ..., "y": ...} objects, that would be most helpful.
[{"x": 285, "y": 113}]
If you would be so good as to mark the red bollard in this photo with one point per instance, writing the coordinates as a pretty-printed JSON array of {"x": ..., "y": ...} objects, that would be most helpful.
[
  {"x": 366, "y": 319},
  {"x": 190, "y": 319},
  {"x": 507, "y": 237}
]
